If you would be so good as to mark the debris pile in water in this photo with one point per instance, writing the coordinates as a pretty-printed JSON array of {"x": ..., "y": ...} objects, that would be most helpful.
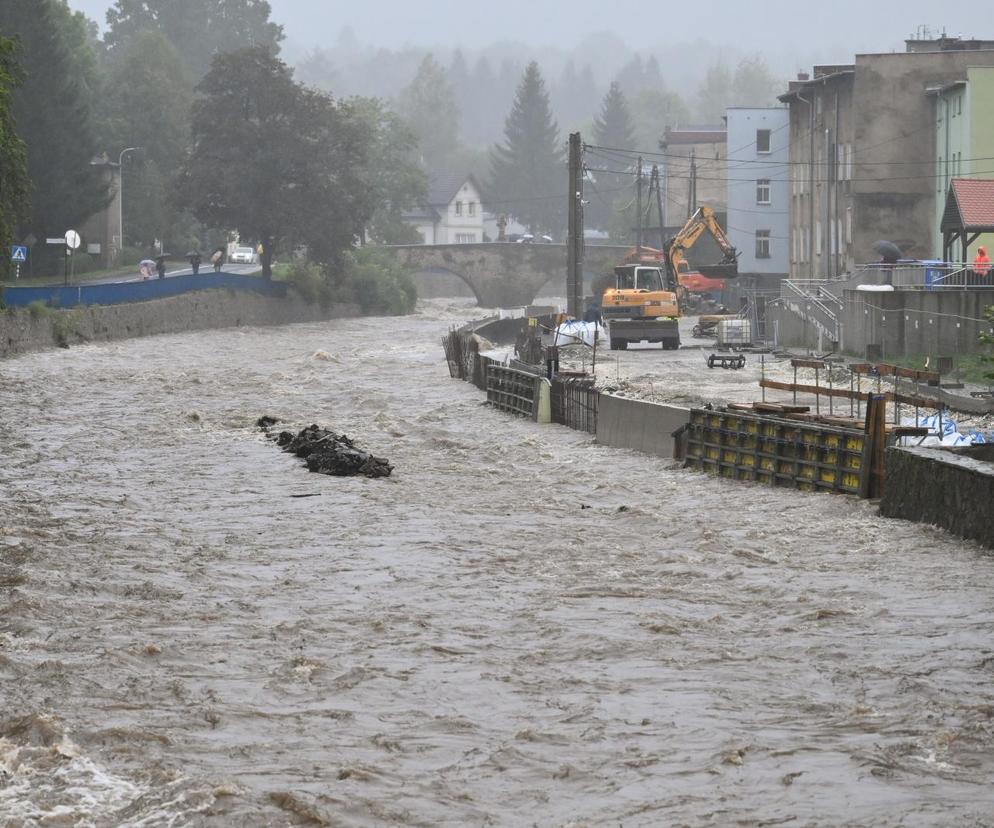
[{"x": 326, "y": 451}]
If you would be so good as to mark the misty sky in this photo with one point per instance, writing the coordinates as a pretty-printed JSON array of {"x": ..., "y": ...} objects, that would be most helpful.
[{"x": 828, "y": 31}]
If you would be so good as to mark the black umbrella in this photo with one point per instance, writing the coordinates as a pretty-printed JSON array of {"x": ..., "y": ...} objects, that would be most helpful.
[{"x": 889, "y": 252}]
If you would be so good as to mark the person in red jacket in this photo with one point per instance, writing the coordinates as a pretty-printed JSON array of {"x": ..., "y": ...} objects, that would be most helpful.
[{"x": 981, "y": 264}]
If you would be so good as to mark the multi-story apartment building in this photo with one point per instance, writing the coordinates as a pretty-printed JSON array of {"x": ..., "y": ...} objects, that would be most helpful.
[
  {"x": 863, "y": 153},
  {"x": 964, "y": 140},
  {"x": 693, "y": 171},
  {"x": 758, "y": 179}
]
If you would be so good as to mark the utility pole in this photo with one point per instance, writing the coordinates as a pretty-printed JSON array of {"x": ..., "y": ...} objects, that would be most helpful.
[
  {"x": 829, "y": 170},
  {"x": 692, "y": 185},
  {"x": 638, "y": 207},
  {"x": 574, "y": 240},
  {"x": 659, "y": 208}
]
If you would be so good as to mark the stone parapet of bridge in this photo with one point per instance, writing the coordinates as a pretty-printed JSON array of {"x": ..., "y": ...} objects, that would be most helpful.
[{"x": 506, "y": 274}]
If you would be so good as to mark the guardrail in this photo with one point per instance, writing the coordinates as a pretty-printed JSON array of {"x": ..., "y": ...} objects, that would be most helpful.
[
  {"x": 925, "y": 275},
  {"x": 810, "y": 300},
  {"x": 120, "y": 293}
]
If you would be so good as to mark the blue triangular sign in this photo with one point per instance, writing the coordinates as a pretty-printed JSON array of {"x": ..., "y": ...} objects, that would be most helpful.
[{"x": 18, "y": 253}]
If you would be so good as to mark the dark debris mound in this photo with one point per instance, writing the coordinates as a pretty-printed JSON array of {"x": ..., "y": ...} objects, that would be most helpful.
[{"x": 327, "y": 452}]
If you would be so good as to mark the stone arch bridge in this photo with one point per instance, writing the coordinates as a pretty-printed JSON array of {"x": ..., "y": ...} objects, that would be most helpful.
[{"x": 505, "y": 274}]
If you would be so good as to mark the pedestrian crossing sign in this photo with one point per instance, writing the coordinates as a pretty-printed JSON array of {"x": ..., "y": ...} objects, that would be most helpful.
[{"x": 18, "y": 253}]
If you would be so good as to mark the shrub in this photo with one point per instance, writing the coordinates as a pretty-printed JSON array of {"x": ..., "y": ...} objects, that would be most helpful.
[
  {"x": 379, "y": 284},
  {"x": 38, "y": 309},
  {"x": 308, "y": 280}
]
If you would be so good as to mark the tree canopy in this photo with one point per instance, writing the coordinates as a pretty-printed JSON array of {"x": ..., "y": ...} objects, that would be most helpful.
[
  {"x": 428, "y": 105},
  {"x": 528, "y": 172},
  {"x": 13, "y": 154},
  {"x": 278, "y": 162},
  {"x": 199, "y": 29},
  {"x": 54, "y": 111},
  {"x": 612, "y": 128}
]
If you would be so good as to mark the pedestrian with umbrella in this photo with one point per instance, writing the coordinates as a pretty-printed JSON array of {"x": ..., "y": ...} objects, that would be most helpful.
[
  {"x": 145, "y": 268},
  {"x": 217, "y": 259},
  {"x": 194, "y": 258},
  {"x": 160, "y": 264},
  {"x": 889, "y": 255}
]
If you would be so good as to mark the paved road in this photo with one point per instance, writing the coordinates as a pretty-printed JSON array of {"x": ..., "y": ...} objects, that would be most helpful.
[{"x": 243, "y": 270}]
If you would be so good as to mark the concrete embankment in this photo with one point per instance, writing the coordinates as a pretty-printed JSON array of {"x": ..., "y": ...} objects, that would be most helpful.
[{"x": 37, "y": 328}]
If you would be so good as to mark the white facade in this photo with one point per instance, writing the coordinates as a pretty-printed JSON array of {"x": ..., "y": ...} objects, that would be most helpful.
[
  {"x": 454, "y": 214},
  {"x": 758, "y": 173}
]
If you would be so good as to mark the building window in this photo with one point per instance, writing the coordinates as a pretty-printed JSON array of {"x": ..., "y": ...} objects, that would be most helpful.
[
  {"x": 762, "y": 244},
  {"x": 817, "y": 250},
  {"x": 465, "y": 238},
  {"x": 763, "y": 191},
  {"x": 848, "y": 162},
  {"x": 762, "y": 140},
  {"x": 959, "y": 104},
  {"x": 472, "y": 208},
  {"x": 458, "y": 208},
  {"x": 848, "y": 225}
]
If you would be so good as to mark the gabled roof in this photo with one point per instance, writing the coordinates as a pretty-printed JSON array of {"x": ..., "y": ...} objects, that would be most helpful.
[
  {"x": 969, "y": 205},
  {"x": 442, "y": 187}
]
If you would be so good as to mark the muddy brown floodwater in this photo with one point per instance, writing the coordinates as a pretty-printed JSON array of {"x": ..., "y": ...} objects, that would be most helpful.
[{"x": 518, "y": 627}]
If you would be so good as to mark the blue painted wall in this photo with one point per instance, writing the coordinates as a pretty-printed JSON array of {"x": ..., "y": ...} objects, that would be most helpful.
[
  {"x": 745, "y": 166},
  {"x": 123, "y": 292}
]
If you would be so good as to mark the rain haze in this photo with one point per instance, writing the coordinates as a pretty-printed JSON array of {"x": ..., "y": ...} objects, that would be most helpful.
[{"x": 778, "y": 28}]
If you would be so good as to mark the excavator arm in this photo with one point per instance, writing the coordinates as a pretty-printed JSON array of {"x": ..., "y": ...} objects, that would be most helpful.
[{"x": 703, "y": 220}]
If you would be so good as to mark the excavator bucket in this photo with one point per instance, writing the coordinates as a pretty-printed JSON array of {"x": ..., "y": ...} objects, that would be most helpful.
[{"x": 720, "y": 271}]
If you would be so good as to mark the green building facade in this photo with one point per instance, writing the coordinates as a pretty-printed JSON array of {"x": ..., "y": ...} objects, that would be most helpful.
[{"x": 964, "y": 140}]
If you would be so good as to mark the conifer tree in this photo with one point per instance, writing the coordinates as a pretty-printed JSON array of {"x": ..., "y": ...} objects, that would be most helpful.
[
  {"x": 13, "y": 156},
  {"x": 612, "y": 128},
  {"x": 53, "y": 109},
  {"x": 528, "y": 171}
]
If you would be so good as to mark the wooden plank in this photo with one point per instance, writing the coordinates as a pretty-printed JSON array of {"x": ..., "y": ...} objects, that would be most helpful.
[
  {"x": 885, "y": 370},
  {"x": 808, "y": 363},
  {"x": 845, "y": 393},
  {"x": 780, "y": 408}
]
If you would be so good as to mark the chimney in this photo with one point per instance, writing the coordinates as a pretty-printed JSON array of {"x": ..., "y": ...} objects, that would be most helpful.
[{"x": 803, "y": 76}]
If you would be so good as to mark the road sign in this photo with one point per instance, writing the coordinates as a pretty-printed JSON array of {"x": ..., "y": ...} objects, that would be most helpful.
[
  {"x": 73, "y": 240},
  {"x": 18, "y": 253}
]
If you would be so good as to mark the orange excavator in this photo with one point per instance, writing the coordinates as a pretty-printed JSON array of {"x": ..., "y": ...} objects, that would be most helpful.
[{"x": 651, "y": 286}]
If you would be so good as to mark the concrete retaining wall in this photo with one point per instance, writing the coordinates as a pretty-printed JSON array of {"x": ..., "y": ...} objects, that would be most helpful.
[
  {"x": 639, "y": 425},
  {"x": 902, "y": 323},
  {"x": 23, "y": 330},
  {"x": 951, "y": 488}
]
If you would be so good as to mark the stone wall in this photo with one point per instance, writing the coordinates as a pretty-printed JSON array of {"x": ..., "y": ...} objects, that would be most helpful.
[
  {"x": 35, "y": 329},
  {"x": 951, "y": 488}
]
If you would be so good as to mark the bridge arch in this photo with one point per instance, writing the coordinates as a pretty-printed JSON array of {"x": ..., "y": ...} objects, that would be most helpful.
[{"x": 503, "y": 274}]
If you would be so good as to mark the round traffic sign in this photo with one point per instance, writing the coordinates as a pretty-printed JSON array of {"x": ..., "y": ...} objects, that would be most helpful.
[{"x": 72, "y": 239}]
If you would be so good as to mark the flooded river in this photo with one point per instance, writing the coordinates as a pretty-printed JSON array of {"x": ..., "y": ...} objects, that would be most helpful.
[{"x": 518, "y": 627}]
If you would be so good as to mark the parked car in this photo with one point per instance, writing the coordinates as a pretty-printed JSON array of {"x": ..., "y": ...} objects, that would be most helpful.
[
  {"x": 242, "y": 255},
  {"x": 526, "y": 238}
]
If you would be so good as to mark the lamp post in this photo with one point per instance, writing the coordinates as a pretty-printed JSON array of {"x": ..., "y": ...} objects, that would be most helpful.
[{"x": 120, "y": 199}]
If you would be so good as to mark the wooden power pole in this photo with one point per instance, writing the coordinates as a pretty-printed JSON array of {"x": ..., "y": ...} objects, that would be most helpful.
[{"x": 574, "y": 235}]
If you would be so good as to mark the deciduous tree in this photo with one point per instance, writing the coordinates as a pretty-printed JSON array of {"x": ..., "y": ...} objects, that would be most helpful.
[
  {"x": 428, "y": 105},
  {"x": 395, "y": 182},
  {"x": 146, "y": 103},
  {"x": 528, "y": 171},
  {"x": 199, "y": 29},
  {"x": 279, "y": 163}
]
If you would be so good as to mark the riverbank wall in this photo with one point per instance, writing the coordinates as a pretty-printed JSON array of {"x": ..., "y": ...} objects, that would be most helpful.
[
  {"x": 40, "y": 327},
  {"x": 615, "y": 421},
  {"x": 948, "y": 487}
]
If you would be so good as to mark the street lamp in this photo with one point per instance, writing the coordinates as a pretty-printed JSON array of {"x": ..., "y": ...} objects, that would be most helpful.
[{"x": 120, "y": 198}]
